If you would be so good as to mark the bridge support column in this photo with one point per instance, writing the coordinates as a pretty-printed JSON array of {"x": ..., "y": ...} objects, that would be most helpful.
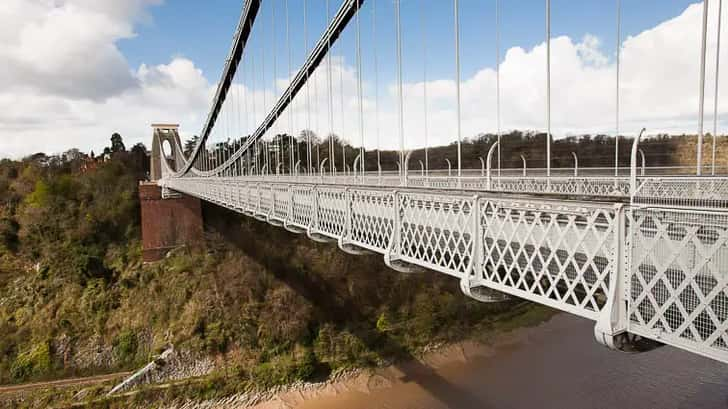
[{"x": 168, "y": 223}]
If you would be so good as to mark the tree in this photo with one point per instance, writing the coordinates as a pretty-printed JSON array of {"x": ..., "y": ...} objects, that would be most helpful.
[
  {"x": 139, "y": 149},
  {"x": 190, "y": 145},
  {"x": 72, "y": 155},
  {"x": 139, "y": 161},
  {"x": 117, "y": 143}
]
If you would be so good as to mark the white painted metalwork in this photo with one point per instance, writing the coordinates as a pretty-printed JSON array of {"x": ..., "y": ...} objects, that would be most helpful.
[
  {"x": 678, "y": 281},
  {"x": 564, "y": 254},
  {"x": 701, "y": 101}
]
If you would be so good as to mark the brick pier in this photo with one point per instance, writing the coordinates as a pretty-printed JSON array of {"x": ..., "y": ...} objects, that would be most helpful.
[{"x": 168, "y": 223}]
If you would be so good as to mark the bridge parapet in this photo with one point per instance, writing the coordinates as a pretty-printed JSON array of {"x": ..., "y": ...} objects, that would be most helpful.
[
  {"x": 638, "y": 272},
  {"x": 677, "y": 280}
]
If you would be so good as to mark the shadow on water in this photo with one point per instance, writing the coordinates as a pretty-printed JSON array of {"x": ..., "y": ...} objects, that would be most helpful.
[{"x": 331, "y": 306}]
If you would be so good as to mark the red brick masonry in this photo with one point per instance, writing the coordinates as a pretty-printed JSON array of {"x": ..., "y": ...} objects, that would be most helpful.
[{"x": 167, "y": 223}]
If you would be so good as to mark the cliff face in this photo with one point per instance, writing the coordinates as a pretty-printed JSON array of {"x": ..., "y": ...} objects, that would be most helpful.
[{"x": 685, "y": 153}]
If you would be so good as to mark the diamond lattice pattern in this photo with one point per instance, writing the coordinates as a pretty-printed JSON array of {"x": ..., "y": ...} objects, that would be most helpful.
[
  {"x": 678, "y": 278},
  {"x": 549, "y": 254},
  {"x": 372, "y": 218},
  {"x": 436, "y": 231}
]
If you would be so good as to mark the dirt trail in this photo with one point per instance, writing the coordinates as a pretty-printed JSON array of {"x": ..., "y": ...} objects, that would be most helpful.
[{"x": 62, "y": 382}]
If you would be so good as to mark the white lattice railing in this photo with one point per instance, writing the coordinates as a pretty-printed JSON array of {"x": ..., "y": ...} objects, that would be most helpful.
[
  {"x": 686, "y": 191},
  {"x": 678, "y": 279},
  {"x": 670, "y": 266},
  {"x": 562, "y": 185},
  {"x": 558, "y": 253}
]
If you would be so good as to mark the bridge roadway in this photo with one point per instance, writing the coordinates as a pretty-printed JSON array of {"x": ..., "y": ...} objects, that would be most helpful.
[{"x": 642, "y": 273}]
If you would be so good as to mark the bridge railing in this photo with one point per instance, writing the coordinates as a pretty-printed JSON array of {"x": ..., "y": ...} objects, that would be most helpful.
[
  {"x": 668, "y": 265},
  {"x": 558, "y": 253},
  {"x": 685, "y": 191},
  {"x": 580, "y": 186},
  {"x": 677, "y": 278}
]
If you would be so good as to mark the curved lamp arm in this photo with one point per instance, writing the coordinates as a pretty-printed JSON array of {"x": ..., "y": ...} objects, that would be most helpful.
[
  {"x": 488, "y": 163},
  {"x": 633, "y": 164}
]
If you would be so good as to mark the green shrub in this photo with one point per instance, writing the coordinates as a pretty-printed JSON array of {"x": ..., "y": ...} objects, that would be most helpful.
[
  {"x": 383, "y": 322},
  {"x": 125, "y": 346},
  {"x": 269, "y": 374},
  {"x": 216, "y": 338},
  {"x": 307, "y": 367},
  {"x": 34, "y": 362},
  {"x": 9, "y": 234}
]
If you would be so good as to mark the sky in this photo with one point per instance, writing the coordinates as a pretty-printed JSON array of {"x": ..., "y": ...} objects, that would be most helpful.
[{"x": 78, "y": 70}]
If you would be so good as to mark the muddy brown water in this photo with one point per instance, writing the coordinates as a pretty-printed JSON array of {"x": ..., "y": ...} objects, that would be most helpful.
[{"x": 554, "y": 365}]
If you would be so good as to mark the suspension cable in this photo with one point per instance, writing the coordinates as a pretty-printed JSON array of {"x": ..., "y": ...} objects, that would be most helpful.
[
  {"x": 332, "y": 154},
  {"x": 225, "y": 131},
  {"x": 316, "y": 118},
  {"x": 308, "y": 90},
  {"x": 262, "y": 70},
  {"x": 246, "y": 93},
  {"x": 548, "y": 88},
  {"x": 715, "y": 99},
  {"x": 237, "y": 110},
  {"x": 617, "y": 93},
  {"x": 497, "y": 80},
  {"x": 399, "y": 92},
  {"x": 246, "y": 117},
  {"x": 359, "y": 87},
  {"x": 701, "y": 107},
  {"x": 225, "y": 134},
  {"x": 318, "y": 143},
  {"x": 376, "y": 80},
  {"x": 424, "y": 84},
  {"x": 341, "y": 95},
  {"x": 276, "y": 124},
  {"x": 255, "y": 113},
  {"x": 290, "y": 97},
  {"x": 456, "y": 6}
]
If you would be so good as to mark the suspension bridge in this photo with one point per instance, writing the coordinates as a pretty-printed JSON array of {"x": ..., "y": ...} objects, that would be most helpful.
[{"x": 641, "y": 252}]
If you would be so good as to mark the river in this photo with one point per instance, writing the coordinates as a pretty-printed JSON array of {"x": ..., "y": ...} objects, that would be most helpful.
[{"x": 554, "y": 365}]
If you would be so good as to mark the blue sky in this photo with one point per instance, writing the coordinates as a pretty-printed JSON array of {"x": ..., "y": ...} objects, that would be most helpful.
[
  {"x": 201, "y": 31},
  {"x": 86, "y": 69}
]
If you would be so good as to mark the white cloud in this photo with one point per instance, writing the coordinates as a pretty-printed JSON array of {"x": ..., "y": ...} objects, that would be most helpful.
[
  {"x": 67, "y": 84},
  {"x": 659, "y": 86},
  {"x": 65, "y": 102}
]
